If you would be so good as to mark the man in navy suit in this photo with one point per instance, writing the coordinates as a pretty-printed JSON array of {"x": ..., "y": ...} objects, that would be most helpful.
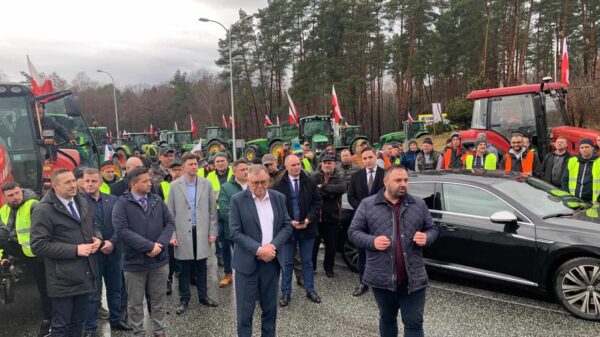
[{"x": 259, "y": 226}]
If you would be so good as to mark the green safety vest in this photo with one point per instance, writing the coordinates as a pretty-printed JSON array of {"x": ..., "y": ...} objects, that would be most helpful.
[
  {"x": 214, "y": 180},
  {"x": 22, "y": 224},
  {"x": 165, "y": 185},
  {"x": 488, "y": 164},
  {"x": 573, "y": 167},
  {"x": 306, "y": 165},
  {"x": 104, "y": 188}
]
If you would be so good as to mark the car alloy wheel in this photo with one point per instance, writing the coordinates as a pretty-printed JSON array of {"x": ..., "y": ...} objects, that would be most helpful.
[{"x": 578, "y": 287}]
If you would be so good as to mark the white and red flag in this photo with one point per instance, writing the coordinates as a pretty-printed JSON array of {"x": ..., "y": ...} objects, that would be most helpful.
[
  {"x": 268, "y": 120},
  {"x": 564, "y": 67},
  {"x": 152, "y": 131},
  {"x": 192, "y": 126},
  {"x": 231, "y": 121},
  {"x": 337, "y": 113},
  {"x": 293, "y": 112},
  {"x": 40, "y": 85},
  {"x": 223, "y": 121},
  {"x": 410, "y": 119}
]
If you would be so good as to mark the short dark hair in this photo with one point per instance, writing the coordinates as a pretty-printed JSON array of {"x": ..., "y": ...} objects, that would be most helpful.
[
  {"x": 134, "y": 175},
  {"x": 239, "y": 161},
  {"x": 393, "y": 168},
  {"x": 58, "y": 172},
  {"x": 188, "y": 156},
  {"x": 368, "y": 149},
  {"x": 91, "y": 171},
  {"x": 11, "y": 185}
]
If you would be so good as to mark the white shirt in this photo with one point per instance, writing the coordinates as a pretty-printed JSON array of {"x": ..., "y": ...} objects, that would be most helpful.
[
  {"x": 244, "y": 186},
  {"x": 292, "y": 182},
  {"x": 265, "y": 216},
  {"x": 66, "y": 203},
  {"x": 374, "y": 173}
]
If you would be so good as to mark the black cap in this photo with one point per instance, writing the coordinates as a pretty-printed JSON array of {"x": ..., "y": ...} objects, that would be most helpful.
[
  {"x": 328, "y": 157},
  {"x": 427, "y": 141},
  {"x": 175, "y": 163},
  {"x": 586, "y": 141},
  {"x": 164, "y": 150}
]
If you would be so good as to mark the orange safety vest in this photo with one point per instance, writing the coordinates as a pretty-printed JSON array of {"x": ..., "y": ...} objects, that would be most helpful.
[
  {"x": 448, "y": 157},
  {"x": 526, "y": 163},
  {"x": 386, "y": 161}
]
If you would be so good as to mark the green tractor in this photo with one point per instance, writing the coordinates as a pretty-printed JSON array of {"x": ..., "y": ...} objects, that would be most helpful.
[
  {"x": 180, "y": 141},
  {"x": 319, "y": 131},
  {"x": 133, "y": 141},
  {"x": 273, "y": 143},
  {"x": 100, "y": 135},
  {"x": 415, "y": 130}
]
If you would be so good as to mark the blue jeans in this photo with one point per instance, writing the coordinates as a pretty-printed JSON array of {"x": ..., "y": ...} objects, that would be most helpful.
[
  {"x": 411, "y": 308},
  {"x": 110, "y": 270},
  {"x": 306, "y": 252}
]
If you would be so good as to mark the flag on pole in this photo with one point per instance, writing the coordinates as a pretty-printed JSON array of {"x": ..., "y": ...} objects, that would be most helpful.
[
  {"x": 175, "y": 128},
  {"x": 224, "y": 122},
  {"x": 110, "y": 137},
  {"x": 192, "y": 126},
  {"x": 108, "y": 152},
  {"x": 40, "y": 85},
  {"x": 268, "y": 120},
  {"x": 231, "y": 121},
  {"x": 564, "y": 67},
  {"x": 337, "y": 113},
  {"x": 292, "y": 118},
  {"x": 152, "y": 135},
  {"x": 293, "y": 113},
  {"x": 410, "y": 119},
  {"x": 277, "y": 119}
]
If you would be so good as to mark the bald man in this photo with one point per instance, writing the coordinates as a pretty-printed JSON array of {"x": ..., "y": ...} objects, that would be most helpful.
[{"x": 120, "y": 186}]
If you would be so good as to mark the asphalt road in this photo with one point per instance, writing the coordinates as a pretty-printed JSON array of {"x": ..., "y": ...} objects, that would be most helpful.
[{"x": 455, "y": 307}]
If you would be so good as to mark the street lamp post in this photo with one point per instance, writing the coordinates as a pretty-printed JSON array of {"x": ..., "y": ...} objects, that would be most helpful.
[
  {"x": 230, "y": 82},
  {"x": 114, "y": 98}
]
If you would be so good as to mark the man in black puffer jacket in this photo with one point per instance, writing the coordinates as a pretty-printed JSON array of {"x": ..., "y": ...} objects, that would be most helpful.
[{"x": 393, "y": 227}]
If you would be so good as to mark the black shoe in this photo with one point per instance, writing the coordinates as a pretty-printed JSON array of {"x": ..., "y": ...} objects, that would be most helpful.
[
  {"x": 313, "y": 297},
  {"x": 300, "y": 281},
  {"x": 285, "y": 300},
  {"x": 361, "y": 289},
  {"x": 44, "y": 328},
  {"x": 208, "y": 302},
  {"x": 182, "y": 307},
  {"x": 89, "y": 334},
  {"x": 329, "y": 273},
  {"x": 169, "y": 287},
  {"x": 122, "y": 326},
  {"x": 220, "y": 262}
]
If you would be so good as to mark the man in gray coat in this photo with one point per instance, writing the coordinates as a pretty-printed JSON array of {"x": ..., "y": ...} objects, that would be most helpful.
[{"x": 193, "y": 205}]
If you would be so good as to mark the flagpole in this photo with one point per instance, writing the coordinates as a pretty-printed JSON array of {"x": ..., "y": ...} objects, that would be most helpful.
[{"x": 114, "y": 98}]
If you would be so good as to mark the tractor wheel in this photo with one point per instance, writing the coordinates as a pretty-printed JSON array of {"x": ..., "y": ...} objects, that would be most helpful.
[
  {"x": 251, "y": 153},
  {"x": 214, "y": 146},
  {"x": 276, "y": 148}
]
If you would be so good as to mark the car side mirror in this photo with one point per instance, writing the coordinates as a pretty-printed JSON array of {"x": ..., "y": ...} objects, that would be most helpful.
[{"x": 503, "y": 217}]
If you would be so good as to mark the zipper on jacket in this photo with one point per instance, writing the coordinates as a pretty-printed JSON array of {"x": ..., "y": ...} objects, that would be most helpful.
[
  {"x": 393, "y": 251},
  {"x": 582, "y": 177}
]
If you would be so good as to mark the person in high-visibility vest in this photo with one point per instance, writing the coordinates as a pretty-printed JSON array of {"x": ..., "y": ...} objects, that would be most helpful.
[
  {"x": 581, "y": 177},
  {"x": 304, "y": 162},
  {"x": 107, "y": 170},
  {"x": 481, "y": 159},
  {"x": 519, "y": 158},
  {"x": 175, "y": 171},
  {"x": 15, "y": 225},
  {"x": 217, "y": 178}
]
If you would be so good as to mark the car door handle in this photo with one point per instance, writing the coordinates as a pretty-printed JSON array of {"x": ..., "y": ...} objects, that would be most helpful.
[{"x": 449, "y": 228}]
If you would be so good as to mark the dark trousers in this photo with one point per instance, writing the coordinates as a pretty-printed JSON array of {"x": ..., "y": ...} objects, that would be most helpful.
[
  {"x": 362, "y": 260},
  {"x": 264, "y": 282},
  {"x": 411, "y": 307},
  {"x": 173, "y": 267},
  {"x": 110, "y": 270},
  {"x": 68, "y": 314},
  {"x": 192, "y": 269},
  {"x": 328, "y": 232},
  {"x": 226, "y": 247}
]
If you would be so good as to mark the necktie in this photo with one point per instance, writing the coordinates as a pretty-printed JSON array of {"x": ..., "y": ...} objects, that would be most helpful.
[
  {"x": 144, "y": 204},
  {"x": 296, "y": 186},
  {"x": 73, "y": 211},
  {"x": 370, "y": 182}
]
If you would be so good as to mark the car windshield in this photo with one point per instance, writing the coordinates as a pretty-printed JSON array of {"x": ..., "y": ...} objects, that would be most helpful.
[
  {"x": 315, "y": 127},
  {"x": 183, "y": 138},
  {"x": 537, "y": 196},
  {"x": 140, "y": 139}
]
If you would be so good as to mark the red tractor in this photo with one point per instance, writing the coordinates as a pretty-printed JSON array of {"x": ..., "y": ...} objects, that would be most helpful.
[
  {"x": 535, "y": 110},
  {"x": 36, "y": 138}
]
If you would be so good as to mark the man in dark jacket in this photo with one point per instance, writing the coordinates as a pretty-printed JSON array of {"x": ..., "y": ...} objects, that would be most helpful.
[
  {"x": 519, "y": 158},
  {"x": 581, "y": 177},
  {"x": 303, "y": 203},
  {"x": 554, "y": 163},
  {"x": 109, "y": 257},
  {"x": 364, "y": 183},
  {"x": 160, "y": 170},
  {"x": 393, "y": 227},
  {"x": 15, "y": 239},
  {"x": 428, "y": 159},
  {"x": 332, "y": 186},
  {"x": 63, "y": 232},
  {"x": 144, "y": 226},
  {"x": 409, "y": 159},
  {"x": 117, "y": 189},
  {"x": 233, "y": 186},
  {"x": 346, "y": 167}
]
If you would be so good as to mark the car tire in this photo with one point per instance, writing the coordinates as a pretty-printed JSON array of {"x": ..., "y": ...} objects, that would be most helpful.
[
  {"x": 350, "y": 254},
  {"x": 576, "y": 286}
]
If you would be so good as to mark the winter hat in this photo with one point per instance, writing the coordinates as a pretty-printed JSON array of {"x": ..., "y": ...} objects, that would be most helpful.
[
  {"x": 586, "y": 141},
  {"x": 427, "y": 141},
  {"x": 297, "y": 149}
]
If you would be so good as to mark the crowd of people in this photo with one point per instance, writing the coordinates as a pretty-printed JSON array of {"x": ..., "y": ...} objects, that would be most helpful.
[{"x": 267, "y": 220}]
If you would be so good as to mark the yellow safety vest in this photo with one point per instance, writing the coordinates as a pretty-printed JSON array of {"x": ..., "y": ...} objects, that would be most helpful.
[
  {"x": 306, "y": 165},
  {"x": 573, "y": 167},
  {"x": 201, "y": 172},
  {"x": 104, "y": 188},
  {"x": 22, "y": 224},
  {"x": 165, "y": 185},
  {"x": 214, "y": 180},
  {"x": 490, "y": 162}
]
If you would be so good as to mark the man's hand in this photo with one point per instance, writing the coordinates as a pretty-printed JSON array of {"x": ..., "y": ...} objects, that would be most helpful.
[
  {"x": 420, "y": 239},
  {"x": 107, "y": 248},
  {"x": 156, "y": 250},
  {"x": 95, "y": 244},
  {"x": 382, "y": 242},
  {"x": 84, "y": 249},
  {"x": 174, "y": 242},
  {"x": 212, "y": 239},
  {"x": 266, "y": 252},
  {"x": 4, "y": 262}
]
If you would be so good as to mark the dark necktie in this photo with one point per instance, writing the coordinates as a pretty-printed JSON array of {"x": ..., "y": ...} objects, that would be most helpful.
[
  {"x": 144, "y": 204},
  {"x": 370, "y": 182},
  {"x": 296, "y": 186},
  {"x": 73, "y": 211}
]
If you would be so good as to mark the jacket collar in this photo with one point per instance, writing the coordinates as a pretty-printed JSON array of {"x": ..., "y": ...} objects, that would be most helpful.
[
  {"x": 380, "y": 198},
  {"x": 52, "y": 198}
]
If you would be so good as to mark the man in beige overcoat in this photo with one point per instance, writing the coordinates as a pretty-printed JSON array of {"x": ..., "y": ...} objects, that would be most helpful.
[{"x": 193, "y": 206}]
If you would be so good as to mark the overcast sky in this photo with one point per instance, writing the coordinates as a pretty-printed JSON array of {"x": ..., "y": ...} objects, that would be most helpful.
[{"x": 137, "y": 41}]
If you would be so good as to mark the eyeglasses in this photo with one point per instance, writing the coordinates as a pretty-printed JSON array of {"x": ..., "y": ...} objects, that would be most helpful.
[{"x": 259, "y": 182}]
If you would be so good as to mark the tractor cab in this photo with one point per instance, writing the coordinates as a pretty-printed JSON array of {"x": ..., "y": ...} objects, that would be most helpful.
[{"x": 317, "y": 131}]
